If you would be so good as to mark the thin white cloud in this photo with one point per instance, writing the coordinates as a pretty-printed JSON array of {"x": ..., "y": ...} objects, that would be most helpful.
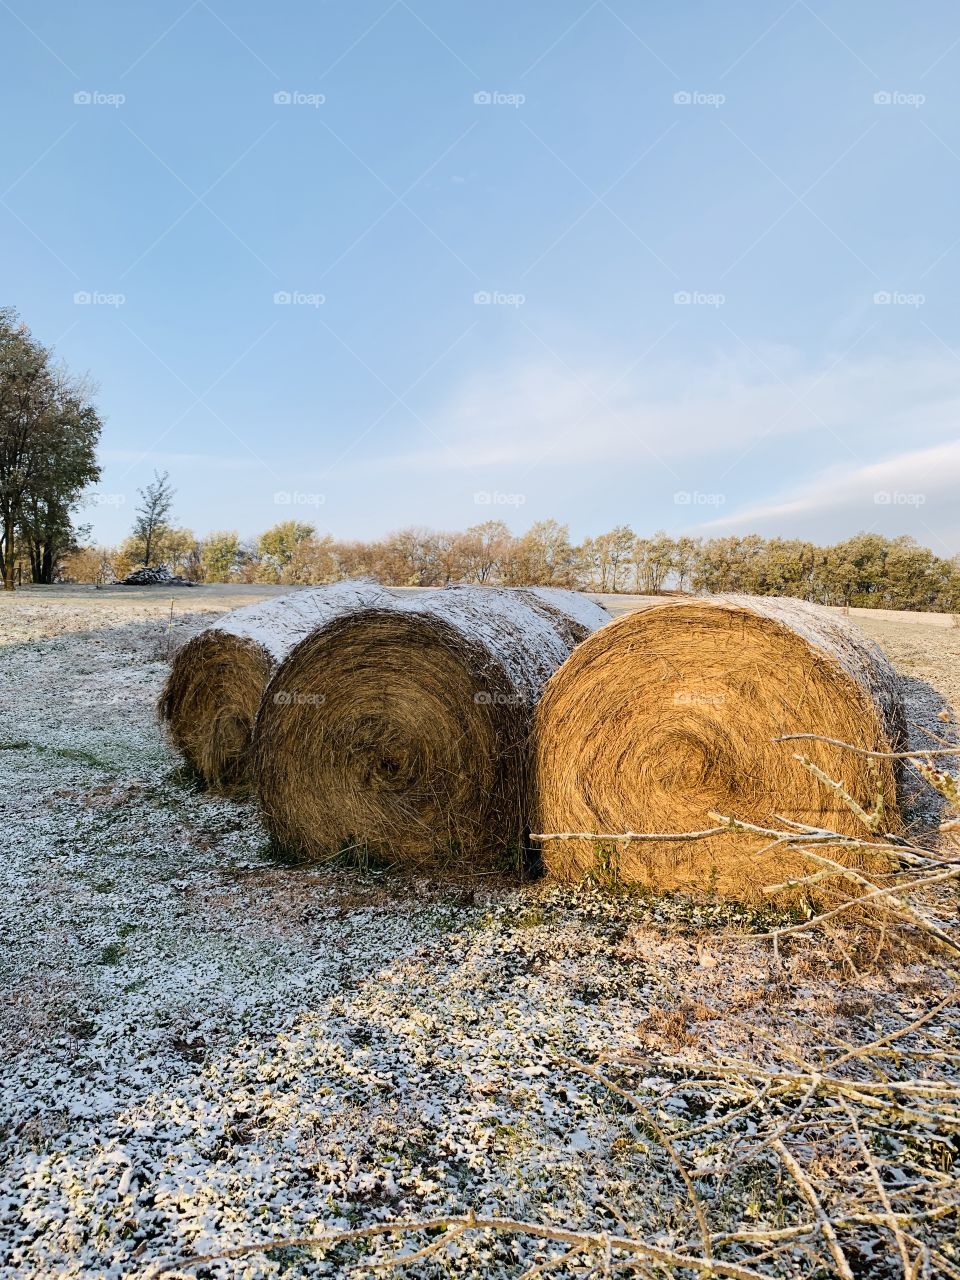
[
  {"x": 544, "y": 439},
  {"x": 545, "y": 414},
  {"x": 917, "y": 491}
]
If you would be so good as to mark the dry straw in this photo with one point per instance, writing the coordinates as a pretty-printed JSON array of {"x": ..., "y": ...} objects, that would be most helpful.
[
  {"x": 216, "y": 680},
  {"x": 673, "y": 713},
  {"x": 399, "y": 732}
]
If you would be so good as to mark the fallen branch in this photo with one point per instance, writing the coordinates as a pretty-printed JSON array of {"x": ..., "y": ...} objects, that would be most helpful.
[
  {"x": 811, "y": 1197},
  {"x": 594, "y": 1241}
]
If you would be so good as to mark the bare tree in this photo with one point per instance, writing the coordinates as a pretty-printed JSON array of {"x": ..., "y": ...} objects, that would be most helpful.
[{"x": 152, "y": 514}]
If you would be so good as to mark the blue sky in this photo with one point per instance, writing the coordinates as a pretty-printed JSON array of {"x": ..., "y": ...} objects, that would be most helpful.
[{"x": 686, "y": 266}]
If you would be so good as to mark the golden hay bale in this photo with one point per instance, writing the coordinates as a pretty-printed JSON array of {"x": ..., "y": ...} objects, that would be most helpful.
[
  {"x": 670, "y": 713},
  {"x": 401, "y": 730},
  {"x": 216, "y": 680}
]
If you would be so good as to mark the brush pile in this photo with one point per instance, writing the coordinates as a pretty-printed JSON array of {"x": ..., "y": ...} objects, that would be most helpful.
[{"x": 154, "y": 575}]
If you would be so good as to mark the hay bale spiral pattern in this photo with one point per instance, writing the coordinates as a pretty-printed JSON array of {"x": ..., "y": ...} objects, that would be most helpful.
[
  {"x": 212, "y": 693},
  {"x": 671, "y": 712},
  {"x": 401, "y": 730}
]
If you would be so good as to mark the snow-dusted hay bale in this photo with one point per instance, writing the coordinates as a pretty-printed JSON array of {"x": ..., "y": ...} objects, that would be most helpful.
[
  {"x": 403, "y": 730},
  {"x": 216, "y": 680},
  {"x": 671, "y": 712}
]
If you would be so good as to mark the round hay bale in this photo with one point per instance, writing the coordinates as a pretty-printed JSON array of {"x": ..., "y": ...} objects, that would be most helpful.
[
  {"x": 210, "y": 699},
  {"x": 670, "y": 713},
  {"x": 401, "y": 732}
]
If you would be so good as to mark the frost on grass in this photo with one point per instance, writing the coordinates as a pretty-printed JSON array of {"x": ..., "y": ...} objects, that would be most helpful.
[{"x": 205, "y": 1048}]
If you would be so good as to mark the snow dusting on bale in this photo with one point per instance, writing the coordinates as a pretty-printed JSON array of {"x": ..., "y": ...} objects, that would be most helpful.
[
  {"x": 671, "y": 713},
  {"x": 211, "y": 696},
  {"x": 401, "y": 729}
]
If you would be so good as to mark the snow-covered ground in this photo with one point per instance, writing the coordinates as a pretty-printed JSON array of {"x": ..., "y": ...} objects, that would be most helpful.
[{"x": 204, "y": 1047}]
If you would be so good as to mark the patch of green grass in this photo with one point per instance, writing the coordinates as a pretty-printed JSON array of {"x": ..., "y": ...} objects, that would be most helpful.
[
  {"x": 77, "y": 754},
  {"x": 291, "y": 1257},
  {"x": 113, "y": 953},
  {"x": 530, "y": 919},
  {"x": 353, "y": 855},
  {"x": 605, "y": 872},
  {"x": 184, "y": 775},
  {"x": 82, "y": 1028},
  {"x": 510, "y": 1138},
  {"x": 285, "y": 856},
  {"x": 81, "y": 756}
]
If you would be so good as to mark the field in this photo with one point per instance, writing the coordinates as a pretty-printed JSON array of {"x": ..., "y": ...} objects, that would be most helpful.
[{"x": 207, "y": 1048}]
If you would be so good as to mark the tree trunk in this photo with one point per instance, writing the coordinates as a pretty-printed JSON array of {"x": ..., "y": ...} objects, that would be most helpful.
[{"x": 8, "y": 553}]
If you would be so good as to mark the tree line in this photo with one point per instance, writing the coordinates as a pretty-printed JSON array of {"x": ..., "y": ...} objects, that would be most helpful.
[
  {"x": 867, "y": 570},
  {"x": 50, "y": 429}
]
